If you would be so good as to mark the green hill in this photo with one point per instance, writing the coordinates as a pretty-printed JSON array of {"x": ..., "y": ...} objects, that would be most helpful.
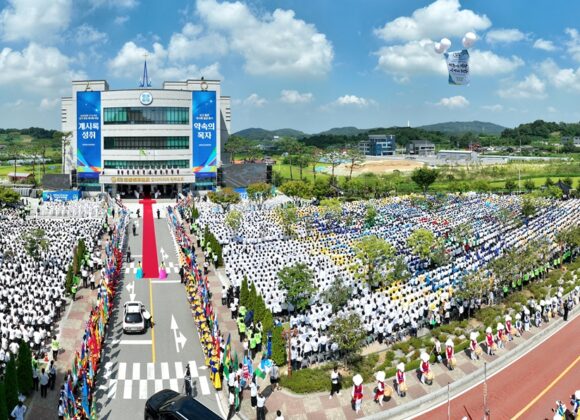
[
  {"x": 460, "y": 127},
  {"x": 343, "y": 131},
  {"x": 262, "y": 134}
]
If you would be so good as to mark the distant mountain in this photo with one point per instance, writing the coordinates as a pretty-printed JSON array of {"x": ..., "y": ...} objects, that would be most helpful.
[
  {"x": 343, "y": 131},
  {"x": 261, "y": 134},
  {"x": 460, "y": 127}
]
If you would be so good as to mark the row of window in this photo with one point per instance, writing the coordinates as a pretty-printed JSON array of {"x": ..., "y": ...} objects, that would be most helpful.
[
  {"x": 146, "y": 164},
  {"x": 149, "y": 115},
  {"x": 146, "y": 143}
]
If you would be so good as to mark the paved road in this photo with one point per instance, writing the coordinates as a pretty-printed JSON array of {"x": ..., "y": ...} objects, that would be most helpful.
[
  {"x": 528, "y": 388},
  {"x": 136, "y": 366}
]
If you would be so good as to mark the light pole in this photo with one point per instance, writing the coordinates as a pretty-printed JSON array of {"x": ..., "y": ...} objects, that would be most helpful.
[{"x": 287, "y": 335}]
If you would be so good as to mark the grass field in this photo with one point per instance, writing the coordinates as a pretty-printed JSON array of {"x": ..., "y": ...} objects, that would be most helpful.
[{"x": 50, "y": 169}]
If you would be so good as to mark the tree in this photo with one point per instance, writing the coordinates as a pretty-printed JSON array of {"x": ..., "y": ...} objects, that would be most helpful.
[
  {"x": 224, "y": 197},
  {"x": 287, "y": 216},
  {"x": 510, "y": 185},
  {"x": 528, "y": 207},
  {"x": 267, "y": 324},
  {"x": 234, "y": 220},
  {"x": 34, "y": 242},
  {"x": 291, "y": 147},
  {"x": 347, "y": 332},
  {"x": 235, "y": 145},
  {"x": 375, "y": 255},
  {"x": 315, "y": 152},
  {"x": 260, "y": 309},
  {"x": 259, "y": 190},
  {"x": 298, "y": 189},
  {"x": 338, "y": 294},
  {"x": 355, "y": 159},
  {"x": 568, "y": 181},
  {"x": 3, "y": 406},
  {"x": 11, "y": 383},
  {"x": 252, "y": 297},
  {"x": 24, "y": 368},
  {"x": 424, "y": 177},
  {"x": 303, "y": 159},
  {"x": 549, "y": 182},
  {"x": 439, "y": 255},
  {"x": 297, "y": 280},
  {"x": 244, "y": 292},
  {"x": 331, "y": 208},
  {"x": 421, "y": 241},
  {"x": 8, "y": 196},
  {"x": 279, "y": 354},
  {"x": 13, "y": 152},
  {"x": 334, "y": 158},
  {"x": 529, "y": 185},
  {"x": 370, "y": 215}
]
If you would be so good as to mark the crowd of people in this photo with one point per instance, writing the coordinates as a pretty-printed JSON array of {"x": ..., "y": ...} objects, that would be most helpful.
[{"x": 259, "y": 249}]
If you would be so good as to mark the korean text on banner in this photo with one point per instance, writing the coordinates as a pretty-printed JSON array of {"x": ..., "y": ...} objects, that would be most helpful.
[
  {"x": 89, "y": 134},
  {"x": 458, "y": 66},
  {"x": 204, "y": 132}
]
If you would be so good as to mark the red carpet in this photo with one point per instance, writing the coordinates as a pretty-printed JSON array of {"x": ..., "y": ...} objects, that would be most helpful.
[{"x": 150, "y": 264}]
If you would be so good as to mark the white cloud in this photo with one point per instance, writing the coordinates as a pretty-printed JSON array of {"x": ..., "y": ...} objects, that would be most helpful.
[
  {"x": 530, "y": 87},
  {"x": 440, "y": 18},
  {"x": 49, "y": 103},
  {"x": 129, "y": 61},
  {"x": 453, "y": 102},
  {"x": 565, "y": 79},
  {"x": 295, "y": 97},
  {"x": 493, "y": 108},
  {"x": 255, "y": 100},
  {"x": 505, "y": 36},
  {"x": 37, "y": 68},
  {"x": 573, "y": 44},
  {"x": 542, "y": 44},
  {"x": 86, "y": 34},
  {"x": 36, "y": 20},
  {"x": 191, "y": 43},
  {"x": 119, "y": 20},
  {"x": 353, "y": 100},
  {"x": 122, "y": 4},
  {"x": 551, "y": 109},
  {"x": 418, "y": 57},
  {"x": 273, "y": 44}
]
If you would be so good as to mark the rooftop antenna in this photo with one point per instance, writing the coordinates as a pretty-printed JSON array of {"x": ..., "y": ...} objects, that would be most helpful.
[{"x": 145, "y": 81}]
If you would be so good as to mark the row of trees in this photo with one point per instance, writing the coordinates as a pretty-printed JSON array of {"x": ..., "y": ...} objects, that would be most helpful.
[
  {"x": 214, "y": 244},
  {"x": 76, "y": 265},
  {"x": 17, "y": 379},
  {"x": 8, "y": 196}
]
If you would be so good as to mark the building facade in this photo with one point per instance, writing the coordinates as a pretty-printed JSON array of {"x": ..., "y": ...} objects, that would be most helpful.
[
  {"x": 145, "y": 142},
  {"x": 420, "y": 147},
  {"x": 452, "y": 155},
  {"x": 378, "y": 145}
]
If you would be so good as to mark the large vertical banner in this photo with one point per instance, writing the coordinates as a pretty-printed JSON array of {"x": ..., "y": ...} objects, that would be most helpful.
[
  {"x": 458, "y": 66},
  {"x": 204, "y": 133},
  {"x": 89, "y": 134}
]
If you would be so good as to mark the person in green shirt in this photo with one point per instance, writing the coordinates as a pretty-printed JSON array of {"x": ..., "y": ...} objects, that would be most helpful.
[
  {"x": 73, "y": 291},
  {"x": 54, "y": 346},
  {"x": 253, "y": 344},
  {"x": 242, "y": 328}
]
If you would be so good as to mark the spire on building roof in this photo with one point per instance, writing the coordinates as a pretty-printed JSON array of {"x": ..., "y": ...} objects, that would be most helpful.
[{"x": 145, "y": 81}]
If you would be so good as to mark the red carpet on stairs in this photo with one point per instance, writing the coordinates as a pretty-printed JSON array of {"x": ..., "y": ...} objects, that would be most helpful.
[{"x": 150, "y": 264}]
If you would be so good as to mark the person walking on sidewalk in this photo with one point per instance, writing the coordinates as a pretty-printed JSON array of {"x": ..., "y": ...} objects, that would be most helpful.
[
  {"x": 401, "y": 380},
  {"x": 474, "y": 349},
  {"x": 380, "y": 388},
  {"x": 334, "y": 382},
  {"x": 357, "y": 392},
  {"x": 35, "y": 376},
  {"x": 55, "y": 347},
  {"x": 232, "y": 404},
  {"x": 43, "y": 383},
  {"x": 261, "y": 407},
  {"x": 19, "y": 411},
  {"x": 128, "y": 254},
  {"x": 450, "y": 354},
  {"x": 52, "y": 375},
  {"x": 489, "y": 343}
]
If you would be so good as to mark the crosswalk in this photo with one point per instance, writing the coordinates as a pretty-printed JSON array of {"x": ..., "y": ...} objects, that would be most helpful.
[
  {"x": 141, "y": 380},
  {"x": 171, "y": 268}
]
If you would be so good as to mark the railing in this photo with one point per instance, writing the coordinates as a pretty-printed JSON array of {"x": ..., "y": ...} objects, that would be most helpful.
[{"x": 145, "y": 171}]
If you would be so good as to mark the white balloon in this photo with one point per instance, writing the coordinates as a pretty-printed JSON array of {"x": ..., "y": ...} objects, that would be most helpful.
[
  {"x": 469, "y": 39},
  {"x": 445, "y": 43},
  {"x": 438, "y": 48}
]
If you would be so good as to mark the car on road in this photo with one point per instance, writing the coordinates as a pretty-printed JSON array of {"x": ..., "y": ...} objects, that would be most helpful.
[
  {"x": 133, "y": 319},
  {"x": 170, "y": 405}
]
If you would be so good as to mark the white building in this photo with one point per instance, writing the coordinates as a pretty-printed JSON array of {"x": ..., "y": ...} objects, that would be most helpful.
[{"x": 145, "y": 140}]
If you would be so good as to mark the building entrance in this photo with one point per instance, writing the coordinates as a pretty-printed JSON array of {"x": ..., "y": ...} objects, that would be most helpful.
[{"x": 147, "y": 191}]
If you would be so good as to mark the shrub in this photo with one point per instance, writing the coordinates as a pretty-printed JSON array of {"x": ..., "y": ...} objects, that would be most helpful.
[
  {"x": 413, "y": 365},
  {"x": 390, "y": 372},
  {"x": 11, "y": 383},
  {"x": 415, "y": 343},
  {"x": 278, "y": 347},
  {"x": 244, "y": 292},
  {"x": 305, "y": 381},
  {"x": 24, "y": 369},
  {"x": 3, "y": 406}
]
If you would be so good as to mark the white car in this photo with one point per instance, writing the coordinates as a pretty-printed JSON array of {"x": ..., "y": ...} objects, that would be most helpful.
[{"x": 133, "y": 319}]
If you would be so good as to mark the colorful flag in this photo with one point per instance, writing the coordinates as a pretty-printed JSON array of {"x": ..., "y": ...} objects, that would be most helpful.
[{"x": 85, "y": 397}]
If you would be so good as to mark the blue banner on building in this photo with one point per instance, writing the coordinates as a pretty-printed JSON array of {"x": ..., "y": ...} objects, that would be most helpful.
[
  {"x": 204, "y": 133},
  {"x": 458, "y": 66},
  {"x": 64, "y": 195},
  {"x": 88, "y": 134}
]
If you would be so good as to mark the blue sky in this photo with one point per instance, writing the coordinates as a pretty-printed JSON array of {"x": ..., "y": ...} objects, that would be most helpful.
[{"x": 308, "y": 65}]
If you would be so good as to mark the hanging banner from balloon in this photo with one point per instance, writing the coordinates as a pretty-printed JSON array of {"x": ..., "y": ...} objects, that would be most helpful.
[{"x": 458, "y": 67}]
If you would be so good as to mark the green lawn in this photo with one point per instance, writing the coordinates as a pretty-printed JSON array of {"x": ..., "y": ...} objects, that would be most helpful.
[
  {"x": 284, "y": 171},
  {"x": 50, "y": 169}
]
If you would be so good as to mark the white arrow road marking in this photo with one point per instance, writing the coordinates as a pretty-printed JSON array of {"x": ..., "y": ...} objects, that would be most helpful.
[
  {"x": 131, "y": 289},
  {"x": 179, "y": 337}
]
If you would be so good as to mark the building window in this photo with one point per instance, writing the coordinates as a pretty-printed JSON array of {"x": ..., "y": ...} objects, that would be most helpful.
[
  {"x": 148, "y": 115},
  {"x": 146, "y": 164},
  {"x": 146, "y": 143}
]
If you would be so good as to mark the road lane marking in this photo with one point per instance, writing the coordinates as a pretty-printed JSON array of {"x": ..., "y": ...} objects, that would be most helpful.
[
  {"x": 541, "y": 394},
  {"x": 204, "y": 385},
  {"x": 179, "y": 370},
  {"x": 131, "y": 342},
  {"x": 108, "y": 368},
  {"x": 152, "y": 320},
  {"x": 174, "y": 385},
  {"x": 143, "y": 389},
  {"x": 150, "y": 371},
  {"x": 136, "y": 371},
  {"x": 128, "y": 390},
  {"x": 193, "y": 369},
  {"x": 165, "y": 281},
  {"x": 158, "y": 385},
  {"x": 165, "y": 370},
  {"x": 112, "y": 389},
  {"x": 122, "y": 371}
]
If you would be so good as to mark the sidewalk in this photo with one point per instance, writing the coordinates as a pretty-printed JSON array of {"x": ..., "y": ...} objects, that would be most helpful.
[
  {"x": 69, "y": 331},
  {"x": 319, "y": 406}
]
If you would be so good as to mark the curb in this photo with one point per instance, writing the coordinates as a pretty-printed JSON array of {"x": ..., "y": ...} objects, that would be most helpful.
[{"x": 432, "y": 400}]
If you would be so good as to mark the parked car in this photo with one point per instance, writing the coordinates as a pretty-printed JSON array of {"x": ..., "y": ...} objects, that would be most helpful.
[
  {"x": 133, "y": 319},
  {"x": 170, "y": 405}
]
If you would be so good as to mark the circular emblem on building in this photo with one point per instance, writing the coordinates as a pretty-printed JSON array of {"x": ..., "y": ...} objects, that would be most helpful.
[{"x": 146, "y": 98}]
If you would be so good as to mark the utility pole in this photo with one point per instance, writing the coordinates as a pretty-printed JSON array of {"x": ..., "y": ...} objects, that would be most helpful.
[{"x": 486, "y": 410}]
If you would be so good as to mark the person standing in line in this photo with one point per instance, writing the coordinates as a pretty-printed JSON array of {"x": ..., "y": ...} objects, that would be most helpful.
[
  {"x": 261, "y": 407},
  {"x": 380, "y": 388},
  {"x": 61, "y": 409},
  {"x": 232, "y": 404},
  {"x": 334, "y": 383},
  {"x": 43, "y": 383},
  {"x": 158, "y": 214},
  {"x": 253, "y": 392},
  {"x": 187, "y": 382},
  {"x": 357, "y": 392},
  {"x": 55, "y": 346},
  {"x": 19, "y": 411},
  {"x": 128, "y": 254},
  {"x": 35, "y": 377},
  {"x": 567, "y": 308},
  {"x": 52, "y": 375}
]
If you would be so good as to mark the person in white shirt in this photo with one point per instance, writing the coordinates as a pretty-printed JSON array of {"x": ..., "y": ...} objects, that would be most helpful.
[
  {"x": 19, "y": 411},
  {"x": 261, "y": 408},
  {"x": 279, "y": 415},
  {"x": 232, "y": 404}
]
